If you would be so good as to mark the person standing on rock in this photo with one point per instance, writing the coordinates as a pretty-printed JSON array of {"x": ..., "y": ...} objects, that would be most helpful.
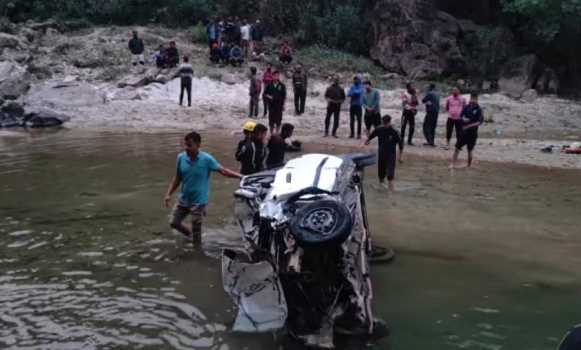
[
  {"x": 276, "y": 95},
  {"x": 432, "y": 103},
  {"x": 245, "y": 30},
  {"x": 186, "y": 74},
  {"x": 255, "y": 90},
  {"x": 172, "y": 55},
  {"x": 410, "y": 109},
  {"x": 267, "y": 78},
  {"x": 136, "y": 47},
  {"x": 193, "y": 173},
  {"x": 335, "y": 96},
  {"x": 355, "y": 112},
  {"x": 371, "y": 101},
  {"x": 455, "y": 103},
  {"x": 389, "y": 140},
  {"x": 300, "y": 82},
  {"x": 213, "y": 32},
  {"x": 286, "y": 53},
  {"x": 471, "y": 118},
  {"x": 257, "y": 35}
]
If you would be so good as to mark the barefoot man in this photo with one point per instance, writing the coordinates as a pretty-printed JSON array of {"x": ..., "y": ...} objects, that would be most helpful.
[
  {"x": 472, "y": 118},
  {"x": 193, "y": 173},
  {"x": 389, "y": 140}
]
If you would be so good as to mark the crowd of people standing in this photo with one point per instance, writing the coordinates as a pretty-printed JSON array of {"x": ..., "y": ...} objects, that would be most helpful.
[{"x": 258, "y": 151}]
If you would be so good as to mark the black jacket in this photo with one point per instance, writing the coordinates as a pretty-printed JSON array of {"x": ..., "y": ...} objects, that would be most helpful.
[
  {"x": 245, "y": 154},
  {"x": 136, "y": 46}
]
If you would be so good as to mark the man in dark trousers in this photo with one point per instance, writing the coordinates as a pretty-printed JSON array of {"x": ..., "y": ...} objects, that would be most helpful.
[
  {"x": 410, "y": 109},
  {"x": 300, "y": 82},
  {"x": 275, "y": 93},
  {"x": 389, "y": 140},
  {"x": 136, "y": 47},
  {"x": 186, "y": 74},
  {"x": 335, "y": 96},
  {"x": 355, "y": 112},
  {"x": 432, "y": 102},
  {"x": 371, "y": 103},
  {"x": 472, "y": 118},
  {"x": 254, "y": 92}
]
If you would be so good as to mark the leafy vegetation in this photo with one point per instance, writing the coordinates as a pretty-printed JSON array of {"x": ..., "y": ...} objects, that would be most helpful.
[
  {"x": 338, "y": 24},
  {"x": 552, "y": 28}
]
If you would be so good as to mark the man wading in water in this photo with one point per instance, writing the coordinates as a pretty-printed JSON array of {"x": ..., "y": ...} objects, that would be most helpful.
[
  {"x": 193, "y": 173},
  {"x": 389, "y": 140}
]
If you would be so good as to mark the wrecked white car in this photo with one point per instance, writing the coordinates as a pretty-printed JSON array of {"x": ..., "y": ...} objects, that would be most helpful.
[{"x": 305, "y": 265}]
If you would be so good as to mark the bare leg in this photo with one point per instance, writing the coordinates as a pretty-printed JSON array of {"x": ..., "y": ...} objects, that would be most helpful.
[
  {"x": 391, "y": 186},
  {"x": 454, "y": 158}
]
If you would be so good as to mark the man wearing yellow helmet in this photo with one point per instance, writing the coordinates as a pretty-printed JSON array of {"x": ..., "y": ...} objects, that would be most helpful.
[{"x": 246, "y": 150}]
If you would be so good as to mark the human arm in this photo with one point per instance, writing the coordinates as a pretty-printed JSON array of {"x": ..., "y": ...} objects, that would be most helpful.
[
  {"x": 399, "y": 141},
  {"x": 229, "y": 173},
  {"x": 173, "y": 186},
  {"x": 371, "y": 137}
]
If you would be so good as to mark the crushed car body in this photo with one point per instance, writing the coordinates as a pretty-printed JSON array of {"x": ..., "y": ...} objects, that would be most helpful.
[{"x": 305, "y": 263}]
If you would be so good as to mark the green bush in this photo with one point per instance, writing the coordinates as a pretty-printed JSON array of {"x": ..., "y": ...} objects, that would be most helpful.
[{"x": 199, "y": 34}]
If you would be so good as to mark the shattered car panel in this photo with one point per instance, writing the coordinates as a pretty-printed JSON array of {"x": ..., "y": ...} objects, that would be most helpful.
[{"x": 305, "y": 263}]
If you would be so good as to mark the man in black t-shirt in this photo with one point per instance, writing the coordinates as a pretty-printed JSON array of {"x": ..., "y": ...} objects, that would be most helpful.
[
  {"x": 471, "y": 118},
  {"x": 389, "y": 140}
]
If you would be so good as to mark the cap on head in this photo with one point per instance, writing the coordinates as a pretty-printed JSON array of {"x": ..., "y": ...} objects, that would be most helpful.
[{"x": 249, "y": 126}]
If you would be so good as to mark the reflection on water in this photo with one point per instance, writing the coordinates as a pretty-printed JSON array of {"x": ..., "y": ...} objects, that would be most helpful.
[{"x": 486, "y": 260}]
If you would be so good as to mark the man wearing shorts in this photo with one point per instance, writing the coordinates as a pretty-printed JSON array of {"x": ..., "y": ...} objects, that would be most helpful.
[
  {"x": 472, "y": 118},
  {"x": 193, "y": 173}
]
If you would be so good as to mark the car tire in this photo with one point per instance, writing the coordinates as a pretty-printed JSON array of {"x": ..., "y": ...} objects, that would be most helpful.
[{"x": 324, "y": 222}]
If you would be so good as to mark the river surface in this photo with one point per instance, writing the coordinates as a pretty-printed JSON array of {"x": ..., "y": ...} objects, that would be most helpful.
[{"x": 487, "y": 258}]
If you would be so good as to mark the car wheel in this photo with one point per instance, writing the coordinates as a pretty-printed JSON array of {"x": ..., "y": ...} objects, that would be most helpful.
[{"x": 322, "y": 222}]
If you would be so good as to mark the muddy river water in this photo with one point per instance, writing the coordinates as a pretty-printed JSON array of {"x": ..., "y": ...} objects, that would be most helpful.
[{"x": 487, "y": 259}]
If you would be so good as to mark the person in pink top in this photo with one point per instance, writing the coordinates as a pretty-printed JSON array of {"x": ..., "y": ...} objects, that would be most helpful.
[
  {"x": 455, "y": 103},
  {"x": 267, "y": 78}
]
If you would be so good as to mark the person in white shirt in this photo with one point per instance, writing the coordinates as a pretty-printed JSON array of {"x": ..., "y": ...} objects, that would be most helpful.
[{"x": 245, "y": 30}]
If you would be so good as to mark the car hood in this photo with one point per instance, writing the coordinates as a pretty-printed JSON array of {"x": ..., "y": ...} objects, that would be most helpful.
[{"x": 311, "y": 170}]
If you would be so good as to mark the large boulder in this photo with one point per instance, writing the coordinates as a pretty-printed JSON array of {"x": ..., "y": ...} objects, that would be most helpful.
[
  {"x": 519, "y": 75},
  {"x": 9, "y": 40},
  {"x": 548, "y": 82},
  {"x": 413, "y": 38},
  {"x": 58, "y": 95},
  {"x": 14, "y": 80}
]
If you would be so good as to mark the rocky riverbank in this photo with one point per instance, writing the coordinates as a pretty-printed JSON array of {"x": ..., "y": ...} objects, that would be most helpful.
[{"x": 85, "y": 75}]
